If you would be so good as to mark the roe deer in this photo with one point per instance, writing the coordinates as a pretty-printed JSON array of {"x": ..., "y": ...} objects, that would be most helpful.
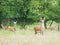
[{"x": 8, "y": 28}]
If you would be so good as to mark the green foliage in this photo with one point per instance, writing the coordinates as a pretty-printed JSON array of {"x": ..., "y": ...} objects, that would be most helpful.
[{"x": 30, "y": 9}]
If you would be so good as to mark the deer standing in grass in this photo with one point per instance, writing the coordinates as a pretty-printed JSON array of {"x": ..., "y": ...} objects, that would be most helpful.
[
  {"x": 9, "y": 27},
  {"x": 40, "y": 28}
]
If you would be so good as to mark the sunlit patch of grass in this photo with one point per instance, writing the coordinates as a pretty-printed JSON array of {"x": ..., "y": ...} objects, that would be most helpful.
[
  {"x": 21, "y": 32},
  {"x": 24, "y": 32},
  {"x": 5, "y": 33}
]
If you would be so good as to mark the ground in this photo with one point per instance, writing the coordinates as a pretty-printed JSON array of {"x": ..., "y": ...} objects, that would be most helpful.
[{"x": 48, "y": 38}]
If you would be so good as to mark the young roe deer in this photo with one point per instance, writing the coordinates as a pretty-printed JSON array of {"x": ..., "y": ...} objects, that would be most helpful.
[{"x": 7, "y": 27}]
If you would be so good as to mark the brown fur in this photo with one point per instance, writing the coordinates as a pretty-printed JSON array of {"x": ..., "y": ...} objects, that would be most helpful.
[
  {"x": 38, "y": 28},
  {"x": 10, "y": 28}
]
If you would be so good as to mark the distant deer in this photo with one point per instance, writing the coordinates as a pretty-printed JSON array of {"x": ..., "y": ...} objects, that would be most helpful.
[
  {"x": 7, "y": 27},
  {"x": 52, "y": 27},
  {"x": 40, "y": 28}
]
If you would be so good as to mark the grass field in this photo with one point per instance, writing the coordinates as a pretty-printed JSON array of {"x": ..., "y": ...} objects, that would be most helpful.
[{"x": 28, "y": 37}]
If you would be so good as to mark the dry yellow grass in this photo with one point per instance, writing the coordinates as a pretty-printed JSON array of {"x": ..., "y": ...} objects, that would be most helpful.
[{"x": 49, "y": 38}]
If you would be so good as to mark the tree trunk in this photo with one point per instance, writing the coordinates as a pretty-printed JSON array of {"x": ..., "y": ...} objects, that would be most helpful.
[
  {"x": 23, "y": 23},
  {"x": 45, "y": 24},
  {"x": 51, "y": 23},
  {"x": 1, "y": 18},
  {"x": 58, "y": 26}
]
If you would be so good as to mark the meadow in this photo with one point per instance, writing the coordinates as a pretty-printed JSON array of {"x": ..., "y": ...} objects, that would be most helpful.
[{"x": 28, "y": 37}]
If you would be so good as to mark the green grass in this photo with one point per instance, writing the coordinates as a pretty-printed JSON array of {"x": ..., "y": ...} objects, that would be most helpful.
[{"x": 21, "y": 32}]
